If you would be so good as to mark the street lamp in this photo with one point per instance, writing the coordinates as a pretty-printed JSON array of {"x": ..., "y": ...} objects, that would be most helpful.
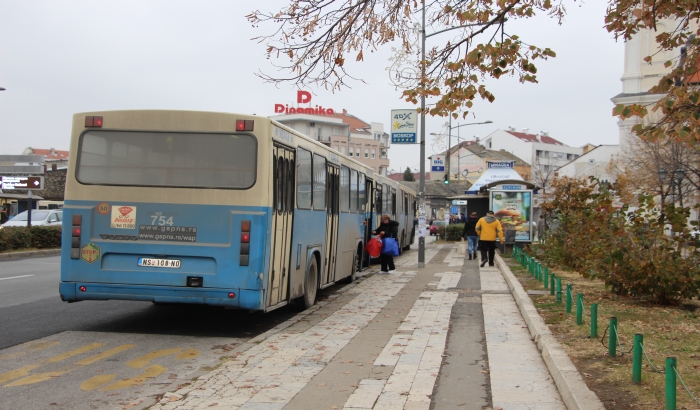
[{"x": 680, "y": 174}]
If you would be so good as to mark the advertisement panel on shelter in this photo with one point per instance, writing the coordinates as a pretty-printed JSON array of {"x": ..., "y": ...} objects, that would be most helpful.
[{"x": 514, "y": 210}]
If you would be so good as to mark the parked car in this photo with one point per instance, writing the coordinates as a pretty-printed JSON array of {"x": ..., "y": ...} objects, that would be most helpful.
[
  {"x": 40, "y": 217},
  {"x": 434, "y": 227}
]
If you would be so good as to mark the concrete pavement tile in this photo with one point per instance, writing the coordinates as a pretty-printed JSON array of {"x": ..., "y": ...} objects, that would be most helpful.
[
  {"x": 262, "y": 406},
  {"x": 365, "y": 395}
]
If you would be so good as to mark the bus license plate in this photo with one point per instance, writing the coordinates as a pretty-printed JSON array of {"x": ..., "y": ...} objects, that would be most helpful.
[{"x": 159, "y": 263}]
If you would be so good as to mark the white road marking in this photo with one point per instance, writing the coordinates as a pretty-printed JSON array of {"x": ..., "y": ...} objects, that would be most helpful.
[{"x": 16, "y": 277}]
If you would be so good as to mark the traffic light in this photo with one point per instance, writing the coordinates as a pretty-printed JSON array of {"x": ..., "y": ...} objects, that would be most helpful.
[{"x": 447, "y": 179}]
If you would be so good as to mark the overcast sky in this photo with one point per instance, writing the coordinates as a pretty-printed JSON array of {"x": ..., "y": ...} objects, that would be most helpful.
[{"x": 62, "y": 57}]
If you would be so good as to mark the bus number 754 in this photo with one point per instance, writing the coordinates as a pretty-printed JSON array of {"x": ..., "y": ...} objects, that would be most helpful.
[{"x": 161, "y": 221}]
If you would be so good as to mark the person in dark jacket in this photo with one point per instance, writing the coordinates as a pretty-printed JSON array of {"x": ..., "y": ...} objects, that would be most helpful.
[
  {"x": 387, "y": 229},
  {"x": 469, "y": 233}
]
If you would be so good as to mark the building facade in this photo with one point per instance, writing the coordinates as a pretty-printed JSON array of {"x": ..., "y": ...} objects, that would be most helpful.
[
  {"x": 599, "y": 162},
  {"x": 347, "y": 134}
]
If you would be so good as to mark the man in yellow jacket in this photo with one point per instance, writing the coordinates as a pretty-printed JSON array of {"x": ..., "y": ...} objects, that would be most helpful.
[{"x": 488, "y": 229}]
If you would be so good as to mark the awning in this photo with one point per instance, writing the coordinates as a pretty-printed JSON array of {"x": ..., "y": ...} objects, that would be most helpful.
[{"x": 494, "y": 175}]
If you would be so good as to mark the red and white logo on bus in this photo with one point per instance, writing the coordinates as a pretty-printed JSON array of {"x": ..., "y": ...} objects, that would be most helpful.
[{"x": 123, "y": 217}]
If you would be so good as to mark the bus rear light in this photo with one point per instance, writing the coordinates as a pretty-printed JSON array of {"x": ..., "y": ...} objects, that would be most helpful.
[
  {"x": 75, "y": 236},
  {"x": 244, "y": 125},
  {"x": 91, "y": 121},
  {"x": 245, "y": 242},
  {"x": 231, "y": 295},
  {"x": 82, "y": 288}
]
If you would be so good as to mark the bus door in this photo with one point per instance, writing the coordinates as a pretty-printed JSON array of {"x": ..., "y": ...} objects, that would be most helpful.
[
  {"x": 280, "y": 245},
  {"x": 369, "y": 221},
  {"x": 332, "y": 210}
]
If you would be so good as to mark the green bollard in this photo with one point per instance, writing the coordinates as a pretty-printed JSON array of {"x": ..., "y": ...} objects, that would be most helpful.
[
  {"x": 637, "y": 359},
  {"x": 551, "y": 284},
  {"x": 670, "y": 383},
  {"x": 546, "y": 278},
  {"x": 579, "y": 309},
  {"x": 594, "y": 320},
  {"x": 568, "y": 298},
  {"x": 558, "y": 290},
  {"x": 612, "y": 337},
  {"x": 541, "y": 271}
]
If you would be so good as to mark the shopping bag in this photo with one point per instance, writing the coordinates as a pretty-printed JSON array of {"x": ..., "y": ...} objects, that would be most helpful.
[
  {"x": 461, "y": 247},
  {"x": 390, "y": 247},
  {"x": 374, "y": 247}
]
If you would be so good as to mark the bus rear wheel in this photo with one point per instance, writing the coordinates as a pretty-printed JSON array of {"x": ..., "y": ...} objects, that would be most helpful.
[{"x": 311, "y": 285}]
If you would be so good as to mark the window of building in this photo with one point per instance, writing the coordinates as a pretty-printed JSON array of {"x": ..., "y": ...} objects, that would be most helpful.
[
  {"x": 374, "y": 152},
  {"x": 303, "y": 179},
  {"x": 351, "y": 151},
  {"x": 335, "y": 148},
  {"x": 342, "y": 149},
  {"x": 366, "y": 153},
  {"x": 319, "y": 182}
]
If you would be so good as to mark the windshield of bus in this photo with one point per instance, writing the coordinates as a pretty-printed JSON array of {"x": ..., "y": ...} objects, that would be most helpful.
[
  {"x": 36, "y": 216},
  {"x": 167, "y": 159}
]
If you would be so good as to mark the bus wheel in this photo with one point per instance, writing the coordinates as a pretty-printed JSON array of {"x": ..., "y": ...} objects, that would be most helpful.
[
  {"x": 353, "y": 272},
  {"x": 311, "y": 285}
]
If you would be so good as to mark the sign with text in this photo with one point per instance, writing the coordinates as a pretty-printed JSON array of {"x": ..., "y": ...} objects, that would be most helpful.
[
  {"x": 404, "y": 126},
  {"x": 437, "y": 164},
  {"x": 22, "y": 182}
]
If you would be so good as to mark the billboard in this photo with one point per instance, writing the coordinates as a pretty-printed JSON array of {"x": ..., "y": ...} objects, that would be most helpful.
[
  {"x": 404, "y": 126},
  {"x": 514, "y": 210}
]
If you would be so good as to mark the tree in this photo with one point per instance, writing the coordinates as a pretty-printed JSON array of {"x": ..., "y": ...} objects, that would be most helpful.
[
  {"x": 677, "y": 115},
  {"x": 318, "y": 36},
  {"x": 408, "y": 175}
]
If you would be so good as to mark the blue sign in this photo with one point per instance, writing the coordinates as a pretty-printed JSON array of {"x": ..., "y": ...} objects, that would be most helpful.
[
  {"x": 512, "y": 187},
  {"x": 438, "y": 168},
  {"x": 454, "y": 210},
  {"x": 403, "y": 137}
]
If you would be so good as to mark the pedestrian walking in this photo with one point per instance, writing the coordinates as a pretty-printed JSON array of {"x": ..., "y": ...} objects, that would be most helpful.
[
  {"x": 541, "y": 227},
  {"x": 387, "y": 229},
  {"x": 489, "y": 229},
  {"x": 462, "y": 218},
  {"x": 470, "y": 235}
]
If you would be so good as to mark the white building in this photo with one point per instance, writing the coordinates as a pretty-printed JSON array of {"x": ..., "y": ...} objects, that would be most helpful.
[
  {"x": 544, "y": 153},
  {"x": 595, "y": 162},
  {"x": 347, "y": 134}
]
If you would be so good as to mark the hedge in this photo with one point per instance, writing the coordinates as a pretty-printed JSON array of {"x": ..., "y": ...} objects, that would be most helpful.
[{"x": 20, "y": 237}]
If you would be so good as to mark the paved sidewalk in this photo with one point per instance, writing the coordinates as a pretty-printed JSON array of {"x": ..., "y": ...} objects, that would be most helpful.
[{"x": 447, "y": 336}]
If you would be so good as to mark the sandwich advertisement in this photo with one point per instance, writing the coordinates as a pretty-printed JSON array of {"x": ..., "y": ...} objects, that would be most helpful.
[{"x": 514, "y": 210}]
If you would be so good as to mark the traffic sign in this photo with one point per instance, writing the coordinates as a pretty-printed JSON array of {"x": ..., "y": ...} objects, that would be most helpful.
[{"x": 21, "y": 182}]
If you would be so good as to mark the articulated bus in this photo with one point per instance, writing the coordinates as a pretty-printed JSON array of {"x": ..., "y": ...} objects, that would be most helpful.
[{"x": 215, "y": 208}]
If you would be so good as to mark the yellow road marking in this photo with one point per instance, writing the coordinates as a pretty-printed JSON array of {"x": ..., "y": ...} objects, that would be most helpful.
[
  {"x": 145, "y": 359},
  {"x": 35, "y": 347},
  {"x": 150, "y": 373},
  {"x": 39, "y": 377},
  {"x": 74, "y": 352},
  {"x": 187, "y": 354},
  {"x": 103, "y": 355},
  {"x": 97, "y": 381},
  {"x": 17, "y": 373},
  {"x": 12, "y": 355}
]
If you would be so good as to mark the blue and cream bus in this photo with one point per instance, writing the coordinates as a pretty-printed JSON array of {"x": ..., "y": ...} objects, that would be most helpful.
[{"x": 214, "y": 208}]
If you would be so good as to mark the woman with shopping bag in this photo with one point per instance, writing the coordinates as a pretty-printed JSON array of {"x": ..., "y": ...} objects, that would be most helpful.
[{"x": 387, "y": 231}]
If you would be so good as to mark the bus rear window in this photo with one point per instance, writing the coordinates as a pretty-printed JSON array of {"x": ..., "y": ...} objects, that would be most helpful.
[{"x": 167, "y": 159}]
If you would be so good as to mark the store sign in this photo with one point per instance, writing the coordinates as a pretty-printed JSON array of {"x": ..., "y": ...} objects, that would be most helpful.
[
  {"x": 303, "y": 97},
  {"x": 404, "y": 126},
  {"x": 512, "y": 187},
  {"x": 500, "y": 164},
  {"x": 438, "y": 164}
]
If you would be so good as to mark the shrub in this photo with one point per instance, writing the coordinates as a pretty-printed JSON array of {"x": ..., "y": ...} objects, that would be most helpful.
[
  {"x": 20, "y": 237},
  {"x": 629, "y": 250},
  {"x": 454, "y": 232}
]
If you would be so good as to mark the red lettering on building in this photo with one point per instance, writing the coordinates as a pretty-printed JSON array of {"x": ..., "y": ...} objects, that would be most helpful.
[{"x": 303, "y": 97}]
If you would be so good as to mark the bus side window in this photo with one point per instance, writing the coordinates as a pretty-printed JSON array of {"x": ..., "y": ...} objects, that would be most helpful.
[
  {"x": 362, "y": 193},
  {"x": 378, "y": 199},
  {"x": 304, "y": 179},
  {"x": 319, "y": 182},
  {"x": 393, "y": 202},
  {"x": 344, "y": 189},
  {"x": 353, "y": 191}
]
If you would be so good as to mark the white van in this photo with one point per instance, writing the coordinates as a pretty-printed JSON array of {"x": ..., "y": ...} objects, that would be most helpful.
[{"x": 40, "y": 217}]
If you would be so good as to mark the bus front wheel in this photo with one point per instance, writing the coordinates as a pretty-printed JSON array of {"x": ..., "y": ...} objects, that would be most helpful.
[{"x": 311, "y": 285}]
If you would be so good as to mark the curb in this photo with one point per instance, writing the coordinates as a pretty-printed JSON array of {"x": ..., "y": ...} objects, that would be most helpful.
[
  {"x": 571, "y": 386},
  {"x": 29, "y": 254}
]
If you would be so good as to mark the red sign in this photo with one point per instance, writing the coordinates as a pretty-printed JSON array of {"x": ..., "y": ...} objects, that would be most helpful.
[{"x": 303, "y": 97}]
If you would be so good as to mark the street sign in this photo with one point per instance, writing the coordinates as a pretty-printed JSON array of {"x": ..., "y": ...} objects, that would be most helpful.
[
  {"x": 438, "y": 164},
  {"x": 21, "y": 169},
  {"x": 459, "y": 202},
  {"x": 22, "y": 182},
  {"x": 454, "y": 210}
]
